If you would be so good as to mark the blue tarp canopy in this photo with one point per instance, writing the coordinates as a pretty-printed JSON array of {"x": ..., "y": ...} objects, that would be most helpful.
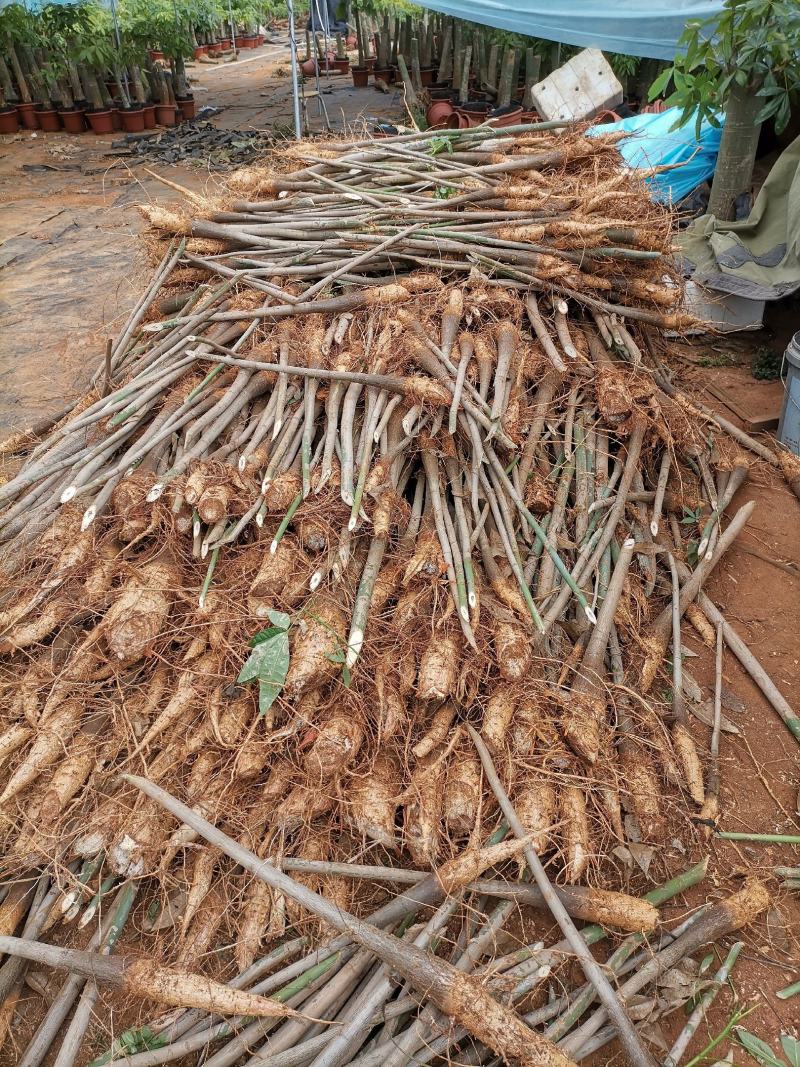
[{"x": 636, "y": 27}]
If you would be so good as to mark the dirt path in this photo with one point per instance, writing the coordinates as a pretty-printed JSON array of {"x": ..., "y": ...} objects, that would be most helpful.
[{"x": 71, "y": 264}]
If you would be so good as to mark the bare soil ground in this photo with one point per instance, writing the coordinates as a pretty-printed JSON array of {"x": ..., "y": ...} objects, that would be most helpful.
[{"x": 71, "y": 265}]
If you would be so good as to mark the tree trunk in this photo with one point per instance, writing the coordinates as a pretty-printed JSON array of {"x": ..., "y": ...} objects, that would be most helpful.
[
  {"x": 737, "y": 152},
  {"x": 5, "y": 79},
  {"x": 75, "y": 81},
  {"x": 22, "y": 85}
]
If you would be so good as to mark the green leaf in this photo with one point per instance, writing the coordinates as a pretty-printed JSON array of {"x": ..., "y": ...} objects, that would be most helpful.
[
  {"x": 346, "y": 676},
  {"x": 279, "y": 619},
  {"x": 791, "y": 1049},
  {"x": 659, "y": 86},
  {"x": 267, "y": 695},
  {"x": 264, "y": 635},
  {"x": 757, "y": 1048},
  {"x": 269, "y": 660}
]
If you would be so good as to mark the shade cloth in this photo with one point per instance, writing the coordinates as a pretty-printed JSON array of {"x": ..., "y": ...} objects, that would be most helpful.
[{"x": 636, "y": 27}]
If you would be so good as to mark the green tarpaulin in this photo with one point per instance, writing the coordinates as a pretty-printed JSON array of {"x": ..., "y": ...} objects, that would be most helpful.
[{"x": 758, "y": 257}]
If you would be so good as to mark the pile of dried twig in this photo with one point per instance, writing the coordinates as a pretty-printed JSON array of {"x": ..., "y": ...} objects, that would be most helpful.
[{"x": 345, "y": 557}]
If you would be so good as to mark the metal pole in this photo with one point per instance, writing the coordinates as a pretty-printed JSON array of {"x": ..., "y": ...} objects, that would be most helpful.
[
  {"x": 233, "y": 25},
  {"x": 298, "y": 132}
]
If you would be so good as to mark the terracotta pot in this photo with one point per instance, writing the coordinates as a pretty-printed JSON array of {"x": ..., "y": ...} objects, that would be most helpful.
[
  {"x": 27, "y": 116},
  {"x": 224, "y": 44},
  {"x": 48, "y": 120},
  {"x": 155, "y": 54},
  {"x": 133, "y": 120},
  {"x": 249, "y": 42},
  {"x": 528, "y": 116},
  {"x": 73, "y": 120},
  {"x": 505, "y": 116},
  {"x": 457, "y": 121},
  {"x": 427, "y": 75},
  {"x": 100, "y": 121},
  {"x": 116, "y": 117},
  {"x": 200, "y": 51},
  {"x": 113, "y": 89},
  {"x": 260, "y": 40},
  {"x": 360, "y": 77},
  {"x": 149, "y": 116},
  {"x": 341, "y": 66},
  {"x": 9, "y": 121},
  {"x": 309, "y": 67},
  {"x": 188, "y": 107},
  {"x": 351, "y": 40},
  {"x": 166, "y": 114},
  {"x": 371, "y": 63},
  {"x": 214, "y": 49},
  {"x": 438, "y": 113},
  {"x": 386, "y": 74},
  {"x": 473, "y": 113},
  {"x": 441, "y": 92}
]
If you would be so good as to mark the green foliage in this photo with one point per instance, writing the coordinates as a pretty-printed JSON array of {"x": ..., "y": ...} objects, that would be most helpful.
[
  {"x": 752, "y": 44},
  {"x": 17, "y": 24},
  {"x": 763, "y": 1054},
  {"x": 268, "y": 663},
  {"x": 767, "y": 365}
]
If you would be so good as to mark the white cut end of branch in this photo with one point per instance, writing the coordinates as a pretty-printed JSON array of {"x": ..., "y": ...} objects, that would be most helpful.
[
  {"x": 88, "y": 517},
  {"x": 155, "y": 493},
  {"x": 472, "y": 600},
  {"x": 353, "y": 522},
  {"x": 242, "y": 462},
  {"x": 316, "y": 579},
  {"x": 590, "y": 615},
  {"x": 354, "y": 646},
  {"x": 68, "y": 494},
  {"x": 654, "y": 529},
  {"x": 273, "y": 548}
]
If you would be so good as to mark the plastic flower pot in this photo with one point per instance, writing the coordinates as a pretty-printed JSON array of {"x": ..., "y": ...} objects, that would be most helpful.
[
  {"x": 27, "y": 116},
  {"x": 133, "y": 120},
  {"x": 224, "y": 44},
  {"x": 9, "y": 121},
  {"x": 438, "y": 113},
  {"x": 371, "y": 63},
  {"x": 260, "y": 40},
  {"x": 113, "y": 89},
  {"x": 166, "y": 114},
  {"x": 505, "y": 116},
  {"x": 100, "y": 122},
  {"x": 474, "y": 113},
  {"x": 427, "y": 75},
  {"x": 155, "y": 54},
  {"x": 309, "y": 67},
  {"x": 116, "y": 117},
  {"x": 73, "y": 120},
  {"x": 188, "y": 106},
  {"x": 441, "y": 92},
  {"x": 360, "y": 77},
  {"x": 149, "y": 116},
  {"x": 386, "y": 74},
  {"x": 200, "y": 51},
  {"x": 341, "y": 66},
  {"x": 48, "y": 120}
]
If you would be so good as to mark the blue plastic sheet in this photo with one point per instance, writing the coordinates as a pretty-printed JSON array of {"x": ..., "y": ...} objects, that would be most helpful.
[
  {"x": 635, "y": 27},
  {"x": 653, "y": 143}
]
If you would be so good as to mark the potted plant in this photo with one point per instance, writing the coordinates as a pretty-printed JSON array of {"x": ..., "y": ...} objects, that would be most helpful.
[
  {"x": 9, "y": 122},
  {"x": 361, "y": 72},
  {"x": 17, "y": 30},
  {"x": 341, "y": 62},
  {"x": 64, "y": 27}
]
